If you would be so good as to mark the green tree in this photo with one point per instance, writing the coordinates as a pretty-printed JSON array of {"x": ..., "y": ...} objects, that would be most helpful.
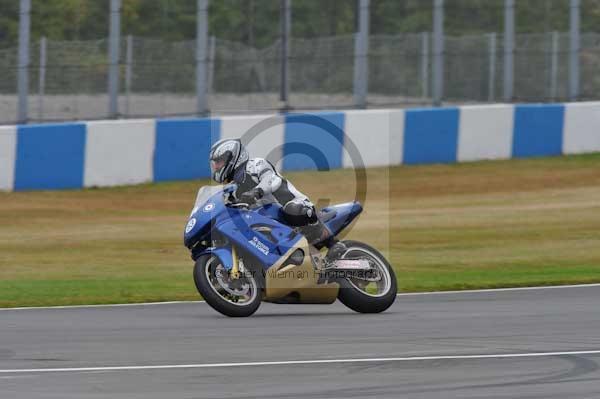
[
  {"x": 9, "y": 23},
  {"x": 256, "y": 22}
]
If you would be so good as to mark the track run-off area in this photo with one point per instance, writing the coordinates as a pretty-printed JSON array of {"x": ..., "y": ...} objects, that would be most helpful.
[
  {"x": 514, "y": 223},
  {"x": 526, "y": 343}
]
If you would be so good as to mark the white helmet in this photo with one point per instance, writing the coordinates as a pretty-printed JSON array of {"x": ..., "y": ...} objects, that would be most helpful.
[{"x": 225, "y": 157}]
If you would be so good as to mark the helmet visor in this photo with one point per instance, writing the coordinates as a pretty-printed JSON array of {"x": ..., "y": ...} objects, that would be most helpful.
[
  {"x": 216, "y": 166},
  {"x": 218, "y": 163}
]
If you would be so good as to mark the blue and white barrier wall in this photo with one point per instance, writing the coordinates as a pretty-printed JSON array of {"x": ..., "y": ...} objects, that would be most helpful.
[{"x": 108, "y": 153}]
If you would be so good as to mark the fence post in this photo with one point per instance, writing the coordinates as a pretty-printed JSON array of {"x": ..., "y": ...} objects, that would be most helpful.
[
  {"x": 509, "y": 49},
  {"x": 425, "y": 64},
  {"x": 23, "y": 71},
  {"x": 286, "y": 25},
  {"x": 492, "y": 73},
  {"x": 575, "y": 45},
  {"x": 211, "y": 63},
  {"x": 42, "y": 77},
  {"x": 128, "y": 73},
  {"x": 554, "y": 67},
  {"x": 201, "y": 57},
  {"x": 113, "y": 54},
  {"x": 438, "y": 52},
  {"x": 361, "y": 56}
]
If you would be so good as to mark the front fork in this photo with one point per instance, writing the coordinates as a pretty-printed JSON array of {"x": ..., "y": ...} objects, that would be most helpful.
[{"x": 235, "y": 270}]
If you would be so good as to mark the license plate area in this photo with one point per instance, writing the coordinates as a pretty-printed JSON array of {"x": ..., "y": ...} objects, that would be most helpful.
[{"x": 352, "y": 264}]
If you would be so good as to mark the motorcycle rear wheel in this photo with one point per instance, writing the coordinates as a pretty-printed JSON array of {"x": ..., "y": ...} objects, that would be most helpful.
[
  {"x": 361, "y": 297},
  {"x": 218, "y": 290}
]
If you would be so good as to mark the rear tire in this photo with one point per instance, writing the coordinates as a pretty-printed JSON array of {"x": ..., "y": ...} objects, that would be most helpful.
[
  {"x": 358, "y": 300},
  {"x": 204, "y": 267}
]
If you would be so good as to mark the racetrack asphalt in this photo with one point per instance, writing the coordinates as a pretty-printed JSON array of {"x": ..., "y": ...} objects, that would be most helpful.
[{"x": 445, "y": 328}]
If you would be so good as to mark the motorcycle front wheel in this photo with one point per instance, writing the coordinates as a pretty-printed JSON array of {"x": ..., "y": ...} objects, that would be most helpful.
[
  {"x": 239, "y": 297},
  {"x": 373, "y": 293}
]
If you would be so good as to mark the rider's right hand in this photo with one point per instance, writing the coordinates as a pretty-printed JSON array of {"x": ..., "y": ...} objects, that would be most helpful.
[{"x": 250, "y": 197}]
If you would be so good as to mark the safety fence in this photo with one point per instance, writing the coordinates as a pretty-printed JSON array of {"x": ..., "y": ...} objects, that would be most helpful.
[
  {"x": 68, "y": 78},
  {"x": 90, "y": 60},
  {"x": 108, "y": 153}
]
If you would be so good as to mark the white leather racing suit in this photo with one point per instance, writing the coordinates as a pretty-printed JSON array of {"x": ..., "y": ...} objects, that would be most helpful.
[{"x": 259, "y": 176}]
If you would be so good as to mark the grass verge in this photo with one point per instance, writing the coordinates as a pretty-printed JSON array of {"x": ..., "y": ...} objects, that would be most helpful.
[{"x": 444, "y": 227}]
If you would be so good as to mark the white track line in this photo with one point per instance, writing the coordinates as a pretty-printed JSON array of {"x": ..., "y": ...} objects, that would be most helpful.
[
  {"x": 300, "y": 362},
  {"x": 491, "y": 290},
  {"x": 111, "y": 305},
  {"x": 544, "y": 287}
]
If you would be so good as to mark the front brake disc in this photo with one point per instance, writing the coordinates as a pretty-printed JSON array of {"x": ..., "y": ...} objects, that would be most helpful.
[{"x": 230, "y": 285}]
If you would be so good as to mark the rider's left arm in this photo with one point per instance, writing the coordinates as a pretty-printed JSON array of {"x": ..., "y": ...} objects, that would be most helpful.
[{"x": 268, "y": 180}]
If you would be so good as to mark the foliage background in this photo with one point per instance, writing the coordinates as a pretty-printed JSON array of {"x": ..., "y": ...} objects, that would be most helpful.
[{"x": 256, "y": 22}]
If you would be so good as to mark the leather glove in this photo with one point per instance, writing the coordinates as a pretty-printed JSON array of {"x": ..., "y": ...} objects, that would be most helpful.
[{"x": 250, "y": 197}]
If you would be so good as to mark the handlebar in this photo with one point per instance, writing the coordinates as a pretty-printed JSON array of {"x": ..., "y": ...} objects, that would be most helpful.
[
  {"x": 242, "y": 205},
  {"x": 230, "y": 188}
]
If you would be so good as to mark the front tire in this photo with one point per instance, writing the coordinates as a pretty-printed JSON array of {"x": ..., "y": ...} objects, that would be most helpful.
[
  {"x": 240, "y": 298},
  {"x": 360, "y": 297}
]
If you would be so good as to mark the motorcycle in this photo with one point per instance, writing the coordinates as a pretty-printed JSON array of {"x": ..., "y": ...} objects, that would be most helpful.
[{"x": 245, "y": 254}]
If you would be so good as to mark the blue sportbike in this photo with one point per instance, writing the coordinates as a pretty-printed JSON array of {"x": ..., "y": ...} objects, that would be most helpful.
[{"x": 245, "y": 254}]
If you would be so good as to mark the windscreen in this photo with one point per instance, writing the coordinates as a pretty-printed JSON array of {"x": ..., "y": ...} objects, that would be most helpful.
[{"x": 205, "y": 193}]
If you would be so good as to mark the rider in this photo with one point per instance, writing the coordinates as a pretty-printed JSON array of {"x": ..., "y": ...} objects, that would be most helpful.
[{"x": 257, "y": 179}]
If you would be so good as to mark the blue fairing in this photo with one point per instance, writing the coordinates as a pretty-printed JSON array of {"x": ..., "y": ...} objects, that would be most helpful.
[
  {"x": 260, "y": 233},
  {"x": 241, "y": 229},
  {"x": 273, "y": 211},
  {"x": 344, "y": 215},
  {"x": 209, "y": 204},
  {"x": 223, "y": 253}
]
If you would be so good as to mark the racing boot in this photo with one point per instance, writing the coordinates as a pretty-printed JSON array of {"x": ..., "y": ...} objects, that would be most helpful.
[
  {"x": 316, "y": 233},
  {"x": 336, "y": 251},
  {"x": 319, "y": 236}
]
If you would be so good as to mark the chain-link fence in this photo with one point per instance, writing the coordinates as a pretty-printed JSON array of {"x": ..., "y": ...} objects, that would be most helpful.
[{"x": 246, "y": 67}]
